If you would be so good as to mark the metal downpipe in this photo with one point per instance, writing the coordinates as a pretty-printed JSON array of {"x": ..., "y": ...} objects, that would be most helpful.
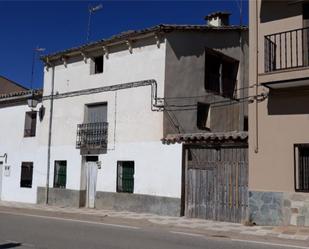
[{"x": 50, "y": 134}]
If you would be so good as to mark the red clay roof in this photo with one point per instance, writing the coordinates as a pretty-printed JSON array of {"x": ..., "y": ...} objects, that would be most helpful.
[{"x": 205, "y": 137}]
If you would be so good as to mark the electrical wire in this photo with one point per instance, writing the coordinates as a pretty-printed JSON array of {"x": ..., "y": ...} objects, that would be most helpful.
[
  {"x": 243, "y": 100},
  {"x": 210, "y": 94}
]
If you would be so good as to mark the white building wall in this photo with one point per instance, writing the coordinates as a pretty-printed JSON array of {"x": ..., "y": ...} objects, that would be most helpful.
[
  {"x": 157, "y": 168},
  {"x": 147, "y": 61},
  {"x": 19, "y": 149},
  {"x": 134, "y": 131}
]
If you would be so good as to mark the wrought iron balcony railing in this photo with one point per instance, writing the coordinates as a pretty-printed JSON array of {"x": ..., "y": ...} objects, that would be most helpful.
[
  {"x": 286, "y": 50},
  {"x": 92, "y": 135}
]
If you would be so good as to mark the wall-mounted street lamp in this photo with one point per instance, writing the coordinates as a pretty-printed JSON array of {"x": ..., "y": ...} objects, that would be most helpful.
[
  {"x": 32, "y": 101},
  {"x": 5, "y": 156}
]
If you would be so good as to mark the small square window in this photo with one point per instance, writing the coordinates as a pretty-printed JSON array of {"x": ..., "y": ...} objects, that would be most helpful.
[
  {"x": 301, "y": 167},
  {"x": 60, "y": 174},
  {"x": 30, "y": 124},
  {"x": 96, "y": 65},
  {"x": 125, "y": 176},
  {"x": 202, "y": 118},
  {"x": 26, "y": 175}
]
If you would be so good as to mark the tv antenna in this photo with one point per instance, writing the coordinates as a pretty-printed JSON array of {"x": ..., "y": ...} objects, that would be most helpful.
[
  {"x": 36, "y": 51},
  {"x": 240, "y": 7},
  {"x": 91, "y": 10}
]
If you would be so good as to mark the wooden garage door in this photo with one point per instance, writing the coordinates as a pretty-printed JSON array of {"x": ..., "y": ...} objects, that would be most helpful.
[{"x": 217, "y": 183}]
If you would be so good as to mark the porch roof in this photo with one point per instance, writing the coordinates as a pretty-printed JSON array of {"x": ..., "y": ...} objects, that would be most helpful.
[{"x": 205, "y": 137}]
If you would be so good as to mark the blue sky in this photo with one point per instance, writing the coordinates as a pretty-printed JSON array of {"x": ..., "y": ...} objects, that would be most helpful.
[{"x": 58, "y": 25}]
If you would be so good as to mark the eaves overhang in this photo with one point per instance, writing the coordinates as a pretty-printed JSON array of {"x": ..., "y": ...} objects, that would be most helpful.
[
  {"x": 210, "y": 137},
  {"x": 20, "y": 96},
  {"x": 136, "y": 34},
  {"x": 286, "y": 84}
]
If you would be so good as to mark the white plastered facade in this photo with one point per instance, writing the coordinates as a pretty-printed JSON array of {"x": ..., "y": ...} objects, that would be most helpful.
[{"x": 134, "y": 130}]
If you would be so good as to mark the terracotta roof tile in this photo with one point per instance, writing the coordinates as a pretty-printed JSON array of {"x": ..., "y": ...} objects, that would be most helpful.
[
  {"x": 20, "y": 94},
  {"x": 204, "y": 137}
]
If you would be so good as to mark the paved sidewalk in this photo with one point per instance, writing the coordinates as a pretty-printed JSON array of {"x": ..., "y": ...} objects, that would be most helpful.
[{"x": 286, "y": 232}]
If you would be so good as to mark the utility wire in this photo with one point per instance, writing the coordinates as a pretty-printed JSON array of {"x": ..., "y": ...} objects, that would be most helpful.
[
  {"x": 177, "y": 126},
  {"x": 209, "y": 94},
  {"x": 221, "y": 103}
]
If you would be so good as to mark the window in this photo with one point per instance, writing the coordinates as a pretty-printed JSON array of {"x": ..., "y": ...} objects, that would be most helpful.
[
  {"x": 301, "y": 167},
  {"x": 203, "y": 116},
  {"x": 60, "y": 174},
  {"x": 220, "y": 73},
  {"x": 96, "y": 65},
  {"x": 30, "y": 124},
  {"x": 92, "y": 158},
  {"x": 96, "y": 113},
  {"x": 26, "y": 175},
  {"x": 306, "y": 14},
  {"x": 246, "y": 123},
  {"x": 125, "y": 176}
]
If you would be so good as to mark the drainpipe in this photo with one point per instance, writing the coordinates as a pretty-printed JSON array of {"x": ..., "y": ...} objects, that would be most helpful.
[
  {"x": 50, "y": 133},
  {"x": 256, "y": 150},
  {"x": 241, "y": 116}
]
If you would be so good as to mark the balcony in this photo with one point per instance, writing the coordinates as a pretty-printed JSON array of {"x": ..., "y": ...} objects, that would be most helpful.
[
  {"x": 286, "y": 50},
  {"x": 92, "y": 136}
]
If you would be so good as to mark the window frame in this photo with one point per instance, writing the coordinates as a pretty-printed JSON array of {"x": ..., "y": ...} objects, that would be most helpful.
[
  {"x": 227, "y": 65},
  {"x": 30, "y": 116},
  {"x": 121, "y": 189},
  {"x": 57, "y": 185},
  {"x": 199, "y": 121},
  {"x": 21, "y": 183},
  {"x": 89, "y": 106},
  {"x": 296, "y": 167},
  {"x": 94, "y": 65}
]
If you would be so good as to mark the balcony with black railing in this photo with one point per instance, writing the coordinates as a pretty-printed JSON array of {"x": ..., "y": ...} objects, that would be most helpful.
[
  {"x": 92, "y": 136},
  {"x": 286, "y": 50}
]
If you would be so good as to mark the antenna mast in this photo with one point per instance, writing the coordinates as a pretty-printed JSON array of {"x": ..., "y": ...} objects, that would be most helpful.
[{"x": 92, "y": 10}]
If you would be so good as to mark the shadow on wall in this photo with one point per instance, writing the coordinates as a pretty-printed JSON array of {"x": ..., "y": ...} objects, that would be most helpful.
[
  {"x": 10, "y": 245},
  {"x": 195, "y": 43},
  {"x": 270, "y": 10},
  {"x": 288, "y": 102}
]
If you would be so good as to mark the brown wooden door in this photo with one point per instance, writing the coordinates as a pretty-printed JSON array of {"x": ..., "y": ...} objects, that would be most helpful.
[{"x": 217, "y": 183}]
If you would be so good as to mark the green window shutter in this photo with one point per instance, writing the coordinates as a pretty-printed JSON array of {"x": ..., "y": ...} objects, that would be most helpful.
[
  {"x": 125, "y": 176},
  {"x": 128, "y": 178},
  {"x": 60, "y": 174}
]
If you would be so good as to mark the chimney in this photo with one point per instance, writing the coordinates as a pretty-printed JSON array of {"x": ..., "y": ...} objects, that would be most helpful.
[{"x": 218, "y": 19}]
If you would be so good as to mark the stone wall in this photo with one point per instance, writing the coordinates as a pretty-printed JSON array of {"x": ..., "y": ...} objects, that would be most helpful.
[
  {"x": 62, "y": 197},
  {"x": 279, "y": 208},
  {"x": 138, "y": 203},
  {"x": 296, "y": 208}
]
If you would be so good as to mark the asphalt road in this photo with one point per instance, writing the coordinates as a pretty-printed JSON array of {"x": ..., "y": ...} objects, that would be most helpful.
[{"x": 22, "y": 231}]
